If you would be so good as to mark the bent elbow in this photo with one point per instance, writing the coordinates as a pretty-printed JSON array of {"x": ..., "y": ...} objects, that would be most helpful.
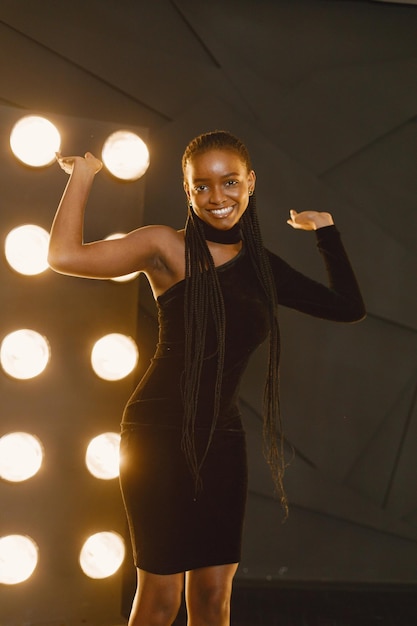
[
  {"x": 58, "y": 262},
  {"x": 53, "y": 260}
]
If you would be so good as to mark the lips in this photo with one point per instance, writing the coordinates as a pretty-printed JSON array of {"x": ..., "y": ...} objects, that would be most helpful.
[{"x": 222, "y": 212}]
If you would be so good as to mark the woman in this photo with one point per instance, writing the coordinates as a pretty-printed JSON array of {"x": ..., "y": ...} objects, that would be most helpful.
[{"x": 183, "y": 457}]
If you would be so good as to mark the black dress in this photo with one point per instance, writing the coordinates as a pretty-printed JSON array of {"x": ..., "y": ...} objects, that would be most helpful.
[{"x": 173, "y": 529}]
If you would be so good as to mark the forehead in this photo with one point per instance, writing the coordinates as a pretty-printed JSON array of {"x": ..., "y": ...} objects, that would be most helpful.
[{"x": 215, "y": 163}]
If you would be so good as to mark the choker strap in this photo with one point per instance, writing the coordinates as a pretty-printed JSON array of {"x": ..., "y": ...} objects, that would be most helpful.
[{"x": 233, "y": 235}]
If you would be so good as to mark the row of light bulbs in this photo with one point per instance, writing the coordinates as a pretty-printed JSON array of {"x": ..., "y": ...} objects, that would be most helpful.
[
  {"x": 25, "y": 353},
  {"x": 100, "y": 556},
  {"x": 22, "y": 454},
  {"x": 35, "y": 141},
  {"x": 21, "y": 457}
]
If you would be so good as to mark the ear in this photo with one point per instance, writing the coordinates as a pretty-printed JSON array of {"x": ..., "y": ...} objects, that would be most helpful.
[
  {"x": 186, "y": 189},
  {"x": 251, "y": 181}
]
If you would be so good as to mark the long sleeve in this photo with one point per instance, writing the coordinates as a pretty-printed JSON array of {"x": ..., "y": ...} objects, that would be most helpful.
[{"x": 340, "y": 301}]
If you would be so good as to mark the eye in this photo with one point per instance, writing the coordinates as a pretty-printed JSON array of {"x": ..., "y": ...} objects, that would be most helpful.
[
  {"x": 200, "y": 188},
  {"x": 231, "y": 183}
]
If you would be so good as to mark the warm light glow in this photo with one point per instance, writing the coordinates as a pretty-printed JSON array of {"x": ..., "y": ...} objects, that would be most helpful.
[
  {"x": 18, "y": 559},
  {"x": 125, "y": 277},
  {"x": 21, "y": 456},
  {"x": 102, "y": 554},
  {"x": 102, "y": 457},
  {"x": 34, "y": 140},
  {"x": 125, "y": 155},
  {"x": 24, "y": 353},
  {"x": 26, "y": 249},
  {"x": 114, "y": 356}
]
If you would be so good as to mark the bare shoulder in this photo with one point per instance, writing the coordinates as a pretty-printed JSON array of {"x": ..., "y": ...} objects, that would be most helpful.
[
  {"x": 162, "y": 240},
  {"x": 155, "y": 232}
]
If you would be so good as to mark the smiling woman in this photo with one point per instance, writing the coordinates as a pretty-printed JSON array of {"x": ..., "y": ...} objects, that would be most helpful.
[
  {"x": 183, "y": 468},
  {"x": 218, "y": 185}
]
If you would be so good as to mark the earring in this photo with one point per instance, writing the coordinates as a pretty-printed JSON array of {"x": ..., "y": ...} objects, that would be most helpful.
[{"x": 251, "y": 192}]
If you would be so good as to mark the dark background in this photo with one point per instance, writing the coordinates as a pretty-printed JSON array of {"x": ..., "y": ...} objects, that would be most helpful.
[{"x": 324, "y": 93}]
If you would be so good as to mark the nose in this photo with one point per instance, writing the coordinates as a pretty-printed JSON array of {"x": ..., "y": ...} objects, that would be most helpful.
[{"x": 217, "y": 195}]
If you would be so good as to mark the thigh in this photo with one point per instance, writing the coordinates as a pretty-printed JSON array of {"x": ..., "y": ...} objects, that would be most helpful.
[
  {"x": 208, "y": 581},
  {"x": 157, "y": 597},
  {"x": 160, "y": 585}
]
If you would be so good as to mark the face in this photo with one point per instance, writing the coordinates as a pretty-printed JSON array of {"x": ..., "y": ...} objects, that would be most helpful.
[{"x": 217, "y": 184}]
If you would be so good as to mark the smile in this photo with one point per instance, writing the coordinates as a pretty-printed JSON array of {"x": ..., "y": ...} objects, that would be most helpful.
[{"x": 222, "y": 212}]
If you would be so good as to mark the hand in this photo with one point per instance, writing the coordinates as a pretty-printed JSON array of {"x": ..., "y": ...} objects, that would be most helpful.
[
  {"x": 309, "y": 220},
  {"x": 89, "y": 161}
]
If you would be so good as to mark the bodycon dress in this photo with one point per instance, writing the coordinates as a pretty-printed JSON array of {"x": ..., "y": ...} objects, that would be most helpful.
[{"x": 172, "y": 529}]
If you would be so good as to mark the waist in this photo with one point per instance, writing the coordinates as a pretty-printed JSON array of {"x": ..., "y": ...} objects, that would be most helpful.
[
  {"x": 165, "y": 413},
  {"x": 136, "y": 426}
]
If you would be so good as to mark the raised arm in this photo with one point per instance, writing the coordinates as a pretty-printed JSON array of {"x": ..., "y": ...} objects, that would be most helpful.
[
  {"x": 341, "y": 299},
  {"x": 68, "y": 254}
]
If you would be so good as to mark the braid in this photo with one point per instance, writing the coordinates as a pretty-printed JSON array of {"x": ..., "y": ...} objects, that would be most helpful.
[
  {"x": 202, "y": 295},
  {"x": 272, "y": 422}
]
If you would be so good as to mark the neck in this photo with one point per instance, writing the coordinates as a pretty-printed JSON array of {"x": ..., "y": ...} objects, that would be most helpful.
[{"x": 233, "y": 235}]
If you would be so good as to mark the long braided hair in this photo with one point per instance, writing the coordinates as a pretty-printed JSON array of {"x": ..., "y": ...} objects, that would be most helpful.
[{"x": 203, "y": 297}]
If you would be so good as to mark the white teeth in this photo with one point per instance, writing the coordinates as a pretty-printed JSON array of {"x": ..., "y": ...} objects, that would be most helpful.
[{"x": 222, "y": 212}]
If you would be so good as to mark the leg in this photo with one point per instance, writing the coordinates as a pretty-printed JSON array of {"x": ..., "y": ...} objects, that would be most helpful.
[
  {"x": 157, "y": 599},
  {"x": 208, "y": 592}
]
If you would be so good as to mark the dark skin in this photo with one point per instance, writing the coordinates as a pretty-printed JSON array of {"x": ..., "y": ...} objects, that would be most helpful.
[
  {"x": 217, "y": 183},
  {"x": 213, "y": 180}
]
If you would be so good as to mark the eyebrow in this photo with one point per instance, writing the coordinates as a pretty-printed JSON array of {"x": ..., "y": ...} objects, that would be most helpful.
[{"x": 229, "y": 175}]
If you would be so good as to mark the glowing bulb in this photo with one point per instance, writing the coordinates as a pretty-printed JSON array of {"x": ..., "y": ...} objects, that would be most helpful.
[
  {"x": 125, "y": 155},
  {"x": 21, "y": 456},
  {"x": 102, "y": 457},
  {"x": 102, "y": 555},
  {"x": 114, "y": 356},
  {"x": 34, "y": 140},
  {"x": 24, "y": 353},
  {"x": 18, "y": 559},
  {"x": 125, "y": 277},
  {"x": 26, "y": 249}
]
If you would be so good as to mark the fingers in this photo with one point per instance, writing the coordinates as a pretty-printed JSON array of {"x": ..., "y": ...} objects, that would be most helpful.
[
  {"x": 310, "y": 220},
  {"x": 293, "y": 215},
  {"x": 301, "y": 220},
  {"x": 67, "y": 162},
  {"x": 95, "y": 162},
  {"x": 293, "y": 219}
]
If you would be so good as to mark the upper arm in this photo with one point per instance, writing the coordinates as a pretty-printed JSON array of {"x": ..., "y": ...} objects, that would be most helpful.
[{"x": 139, "y": 250}]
